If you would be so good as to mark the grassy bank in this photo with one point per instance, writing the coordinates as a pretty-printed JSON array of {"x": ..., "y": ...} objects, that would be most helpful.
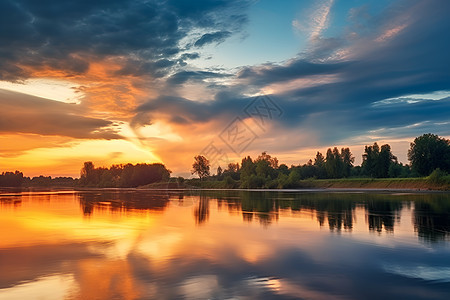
[
  {"x": 377, "y": 183},
  {"x": 424, "y": 183}
]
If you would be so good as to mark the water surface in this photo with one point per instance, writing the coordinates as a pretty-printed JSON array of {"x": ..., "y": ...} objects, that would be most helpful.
[{"x": 130, "y": 244}]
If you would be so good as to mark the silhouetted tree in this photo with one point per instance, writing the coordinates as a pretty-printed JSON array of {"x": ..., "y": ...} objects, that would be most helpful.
[
  {"x": 201, "y": 166},
  {"x": 11, "y": 179},
  {"x": 232, "y": 170},
  {"x": 87, "y": 176},
  {"x": 123, "y": 175}
]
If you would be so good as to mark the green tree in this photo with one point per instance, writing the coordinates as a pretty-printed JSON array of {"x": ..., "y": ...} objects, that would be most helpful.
[
  {"x": 247, "y": 167},
  {"x": 429, "y": 152},
  {"x": 283, "y": 169},
  {"x": 266, "y": 165},
  {"x": 201, "y": 166},
  {"x": 319, "y": 164},
  {"x": 385, "y": 160},
  {"x": 347, "y": 161},
  {"x": 334, "y": 163},
  {"x": 376, "y": 161},
  {"x": 370, "y": 158},
  {"x": 232, "y": 170}
]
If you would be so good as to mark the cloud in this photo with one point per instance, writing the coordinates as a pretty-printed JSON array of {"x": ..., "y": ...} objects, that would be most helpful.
[
  {"x": 338, "y": 109},
  {"x": 184, "y": 76},
  {"x": 129, "y": 60},
  {"x": 317, "y": 20},
  {"x": 68, "y": 35},
  {"x": 209, "y": 38},
  {"x": 23, "y": 113},
  {"x": 295, "y": 69},
  {"x": 183, "y": 111},
  {"x": 404, "y": 63}
]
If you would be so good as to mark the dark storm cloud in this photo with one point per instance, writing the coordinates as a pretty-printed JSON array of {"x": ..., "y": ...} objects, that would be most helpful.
[
  {"x": 67, "y": 35},
  {"x": 28, "y": 114},
  {"x": 209, "y": 38}
]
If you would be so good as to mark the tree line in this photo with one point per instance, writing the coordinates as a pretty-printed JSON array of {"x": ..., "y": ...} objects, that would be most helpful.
[
  {"x": 427, "y": 153},
  {"x": 16, "y": 179},
  {"x": 127, "y": 175}
]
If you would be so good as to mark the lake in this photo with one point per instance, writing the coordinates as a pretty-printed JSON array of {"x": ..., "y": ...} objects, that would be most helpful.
[{"x": 136, "y": 244}]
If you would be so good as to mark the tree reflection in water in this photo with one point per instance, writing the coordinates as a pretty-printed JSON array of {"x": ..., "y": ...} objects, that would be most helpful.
[{"x": 431, "y": 211}]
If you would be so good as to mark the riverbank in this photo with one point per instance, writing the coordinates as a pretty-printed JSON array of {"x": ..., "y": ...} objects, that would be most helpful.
[
  {"x": 346, "y": 183},
  {"x": 377, "y": 183}
]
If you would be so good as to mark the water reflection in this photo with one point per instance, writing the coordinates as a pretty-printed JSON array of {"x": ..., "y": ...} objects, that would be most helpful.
[
  {"x": 224, "y": 244},
  {"x": 122, "y": 201},
  {"x": 201, "y": 213},
  {"x": 432, "y": 218},
  {"x": 431, "y": 211},
  {"x": 383, "y": 214}
]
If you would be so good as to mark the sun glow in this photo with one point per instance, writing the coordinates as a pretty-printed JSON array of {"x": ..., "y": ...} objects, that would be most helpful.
[
  {"x": 68, "y": 159},
  {"x": 49, "y": 88}
]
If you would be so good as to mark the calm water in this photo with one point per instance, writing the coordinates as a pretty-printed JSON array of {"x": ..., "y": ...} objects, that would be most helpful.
[{"x": 224, "y": 245}]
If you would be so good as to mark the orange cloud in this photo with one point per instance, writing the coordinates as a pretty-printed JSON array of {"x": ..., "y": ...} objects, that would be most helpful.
[{"x": 104, "y": 93}]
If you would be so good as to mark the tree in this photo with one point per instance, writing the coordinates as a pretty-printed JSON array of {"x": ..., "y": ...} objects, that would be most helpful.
[
  {"x": 385, "y": 160},
  {"x": 123, "y": 175},
  {"x": 265, "y": 165},
  {"x": 283, "y": 169},
  {"x": 87, "y": 173},
  {"x": 319, "y": 164},
  {"x": 429, "y": 152},
  {"x": 334, "y": 163},
  {"x": 219, "y": 171},
  {"x": 376, "y": 161},
  {"x": 370, "y": 158},
  {"x": 11, "y": 179},
  {"x": 347, "y": 161},
  {"x": 247, "y": 167},
  {"x": 273, "y": 161},
  {"x": 232, "y": 170},
  {"x": 201, "y": 166}
]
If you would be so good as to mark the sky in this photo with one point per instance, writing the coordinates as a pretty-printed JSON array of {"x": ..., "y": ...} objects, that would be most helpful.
[{"x": 147, "y": 81}]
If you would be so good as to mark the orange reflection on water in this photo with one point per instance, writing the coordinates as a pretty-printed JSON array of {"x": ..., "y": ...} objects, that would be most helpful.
[
  {"x": 53, "y": 218},
  {"x": 130, "y": 244}
]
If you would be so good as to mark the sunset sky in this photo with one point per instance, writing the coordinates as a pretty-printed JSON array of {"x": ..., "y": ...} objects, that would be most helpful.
[{"x": 162, "y": 81}]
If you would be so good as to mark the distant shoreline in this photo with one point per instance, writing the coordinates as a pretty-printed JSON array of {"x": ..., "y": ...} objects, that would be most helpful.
[
  {"x": 7, "y": 191},
  {"x": 326, "y": 185},
  {"x": 354, "y": 184}
]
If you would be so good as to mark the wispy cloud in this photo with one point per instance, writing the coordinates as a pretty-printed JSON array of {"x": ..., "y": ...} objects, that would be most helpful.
[{"x": 316, "y": 21}]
